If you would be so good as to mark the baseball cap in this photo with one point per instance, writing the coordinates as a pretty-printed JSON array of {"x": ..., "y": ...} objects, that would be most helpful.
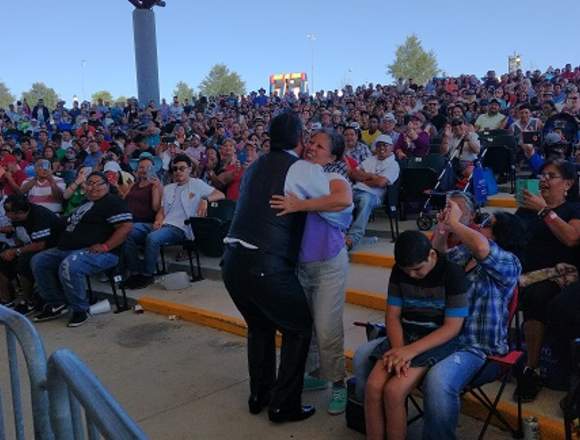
[
  {"x": 552, "y": 138},
  {"x": 384, "y": 138},
  {"x": 492, "y": 101},
  {"x": 389, "y": 117},
  {"x": 112, "y": 166}
]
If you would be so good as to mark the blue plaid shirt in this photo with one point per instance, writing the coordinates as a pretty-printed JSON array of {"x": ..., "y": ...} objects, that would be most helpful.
[{"x": 492, "y": 282}]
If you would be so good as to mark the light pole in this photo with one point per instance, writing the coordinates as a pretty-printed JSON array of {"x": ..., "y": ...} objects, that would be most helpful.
[
  {"x": 312, "y": 38},
  {"x": 83, "y": 64}
]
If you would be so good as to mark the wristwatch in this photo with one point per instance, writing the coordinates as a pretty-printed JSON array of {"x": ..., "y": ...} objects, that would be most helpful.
[
  {"x": 542, "y": 213},
  {"x": 18, "y": 252}
]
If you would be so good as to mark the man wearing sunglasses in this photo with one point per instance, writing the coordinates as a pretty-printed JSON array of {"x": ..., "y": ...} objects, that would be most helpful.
[
  {"x": 186, "y": 197},
  {"x": 88, "y": 245}
]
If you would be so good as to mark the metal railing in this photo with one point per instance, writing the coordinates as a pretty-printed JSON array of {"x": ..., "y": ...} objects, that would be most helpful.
[
  {"x": 19, "y": 331},
  {"x": 72, "y": 386}
]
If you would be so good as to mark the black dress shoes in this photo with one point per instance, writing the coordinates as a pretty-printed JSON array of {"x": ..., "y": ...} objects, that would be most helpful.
[
  {"x": 281, "y": 416},
  {"x": 256, "y": 403}
]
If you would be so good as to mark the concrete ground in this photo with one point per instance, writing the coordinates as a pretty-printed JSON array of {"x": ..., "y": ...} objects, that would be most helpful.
[{"x": 182, "y": 381}]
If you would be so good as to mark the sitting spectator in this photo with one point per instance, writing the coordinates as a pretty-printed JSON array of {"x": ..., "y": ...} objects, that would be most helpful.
[
  {"x": 493, "y": 119},
  {"x": 186, "y": 197},
  {"x": 11, "y": 175},
  {"x": 210, "y": 165},
  {"x": 414, "y": 141},
  {"x": 371, "y": 177},
  {"x": 231, "y": 177},
  {"x": 418, "y": 336},
  {"x": 44, "y": 189},
  {"x": 93, "y": 155},
  {"x": 524, "y": 123},
  {"x": 434, "y": 116},
  {"x": 355, "y": 150},
  {"x": 368, "y": 136},
  {"x": 553, "y": 232},
  {"x": 43, "y": 228},
  {"x": 88, "y": 245},
  {"x": 388, "y": 127},
  {"x": 462, "y": 145},
  {"x": 120, "y": 180},
  {"x": 144, "y": 195},
  {"x": 195, "y": 150},
  {"x": 75, "y": 194}
]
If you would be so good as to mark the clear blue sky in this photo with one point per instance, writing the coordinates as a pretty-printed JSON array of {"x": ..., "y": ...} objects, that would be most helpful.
[{"x": 45, "y": 40}]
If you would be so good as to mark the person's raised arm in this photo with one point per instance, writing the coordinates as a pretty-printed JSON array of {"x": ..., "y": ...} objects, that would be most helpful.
[{"x": 473, "y": 240}]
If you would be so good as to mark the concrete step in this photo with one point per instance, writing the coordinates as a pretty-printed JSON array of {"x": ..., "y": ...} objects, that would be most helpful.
[{"x": 207, "y": 303}]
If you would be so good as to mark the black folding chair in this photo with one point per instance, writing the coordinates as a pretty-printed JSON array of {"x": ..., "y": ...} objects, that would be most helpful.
[
  {"x": 391, "y": 204},
  {"x": 415, "y": 183},
  {"x": 501, "y": 160},
  {"x": 116, "y": 281}
]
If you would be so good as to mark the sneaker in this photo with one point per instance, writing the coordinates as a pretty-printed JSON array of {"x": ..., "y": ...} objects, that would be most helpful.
[
  {"x": 337, "y": 404},
  {"x": 314, "y": 384},
  {"x": 529, "y": 385},
  {"x": 77, "y": 319},
  {"x": 24, "y": 308},
  {"x": 50, "y": 312}
]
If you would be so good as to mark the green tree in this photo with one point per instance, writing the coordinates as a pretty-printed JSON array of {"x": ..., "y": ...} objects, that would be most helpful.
[
  {"x": 183, "y": 91},
  {"x": 412, "y": 61},
  {"x": 121, "y": 100},
  {"x": 221, "y": 81},
  {"x": 39, "y": 90},
  {"x": 102, "y": 94},
  {"x": 6, "y": 98}
]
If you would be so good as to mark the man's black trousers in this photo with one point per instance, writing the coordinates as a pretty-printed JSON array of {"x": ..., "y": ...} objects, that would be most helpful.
[{"x": 267, "y": 293}]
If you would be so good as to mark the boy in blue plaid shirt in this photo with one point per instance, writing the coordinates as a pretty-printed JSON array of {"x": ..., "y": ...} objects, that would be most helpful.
[{"x": 492, "y": 268}]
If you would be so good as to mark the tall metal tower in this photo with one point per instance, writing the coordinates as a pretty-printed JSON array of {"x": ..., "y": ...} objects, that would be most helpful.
[{"x": 145, "y": 39}]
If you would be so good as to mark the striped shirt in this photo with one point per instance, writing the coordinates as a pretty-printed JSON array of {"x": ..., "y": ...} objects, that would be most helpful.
[
  {"x": 41, "y": 194},
  {"x": 426, "y": 302}
]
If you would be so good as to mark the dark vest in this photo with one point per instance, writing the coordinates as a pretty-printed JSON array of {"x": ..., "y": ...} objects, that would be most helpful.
[{"x": 254, "y": 221}]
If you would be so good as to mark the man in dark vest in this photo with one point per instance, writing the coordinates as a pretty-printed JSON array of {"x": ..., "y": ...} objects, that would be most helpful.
[{"x": 259, "y": 271}]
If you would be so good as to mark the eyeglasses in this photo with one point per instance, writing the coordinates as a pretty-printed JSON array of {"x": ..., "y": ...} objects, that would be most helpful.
[
  {"x": 181, "y": 168},
  {"x": 95, "y": 184},
  {"x": 549, "y": 176}
]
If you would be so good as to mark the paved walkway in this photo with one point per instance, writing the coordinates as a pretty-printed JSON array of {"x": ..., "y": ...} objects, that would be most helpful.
[{"x": 182, "y": 381}]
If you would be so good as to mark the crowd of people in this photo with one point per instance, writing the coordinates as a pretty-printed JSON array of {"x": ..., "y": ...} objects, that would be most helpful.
[{"x": 86, "y": 185}]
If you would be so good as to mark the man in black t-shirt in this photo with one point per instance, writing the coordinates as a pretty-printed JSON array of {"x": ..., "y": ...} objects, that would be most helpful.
[
  {"x": 43, "y": 228},
  {"x": 88, "y": 245}
]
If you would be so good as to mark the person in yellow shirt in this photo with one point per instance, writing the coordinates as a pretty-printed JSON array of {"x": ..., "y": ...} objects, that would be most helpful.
[{"x": 369, "y": 136}]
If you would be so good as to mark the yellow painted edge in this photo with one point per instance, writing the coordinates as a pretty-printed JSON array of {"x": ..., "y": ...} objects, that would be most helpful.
[
  {"x": 369, "y": 300},
  {"x": 502, "y": 202},
  {"x": 550, "y": 429},
  {"x": 371, "y": 259}
]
